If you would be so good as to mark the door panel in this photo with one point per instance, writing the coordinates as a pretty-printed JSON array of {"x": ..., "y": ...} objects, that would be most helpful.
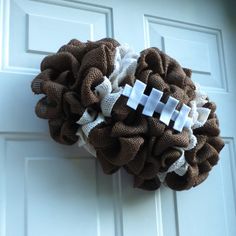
[
  {"x": 51, "y": 189},
  {"x": 199, "y": 48}
]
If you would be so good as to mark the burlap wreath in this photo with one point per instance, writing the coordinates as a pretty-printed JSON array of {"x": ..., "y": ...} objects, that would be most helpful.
[{"x": 144, "y": 146}]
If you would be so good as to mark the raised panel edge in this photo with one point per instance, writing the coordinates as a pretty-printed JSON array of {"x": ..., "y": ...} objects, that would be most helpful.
[{"x": 147, "y": 19}]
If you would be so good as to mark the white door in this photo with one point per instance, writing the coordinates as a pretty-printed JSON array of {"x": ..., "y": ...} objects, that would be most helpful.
[{"x": 47, "y": 189}]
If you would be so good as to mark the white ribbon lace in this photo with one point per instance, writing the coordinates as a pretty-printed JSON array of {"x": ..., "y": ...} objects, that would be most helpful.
[{"x": 153, "y": 103}]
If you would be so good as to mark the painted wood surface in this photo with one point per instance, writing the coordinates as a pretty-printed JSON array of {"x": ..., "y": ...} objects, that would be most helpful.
[{"x": 49, "y": 189}]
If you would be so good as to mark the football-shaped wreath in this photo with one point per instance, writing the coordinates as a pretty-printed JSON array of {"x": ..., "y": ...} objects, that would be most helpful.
[{"x": 141, "y": 112}]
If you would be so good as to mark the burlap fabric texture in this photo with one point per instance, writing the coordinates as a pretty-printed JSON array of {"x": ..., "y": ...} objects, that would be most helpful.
[{"x": 142, "y": 145}]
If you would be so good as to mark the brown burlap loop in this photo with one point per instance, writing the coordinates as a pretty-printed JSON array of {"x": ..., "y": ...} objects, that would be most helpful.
[
  {"x": 63, "y": 131},
  {"x": 138, "y": 127},
  {"x": 150, "y": 169},
  {"x": 145, "y": 165},
  {"x": 120, "y": 111},
  {"x": 60, "y": 62},
  {"x": 171, "y": 139},
  {"x": 187, "y": 181},
  {"x": 93, "y": 78},
  {"x": 50, "y": 107},
  {"x": 144, "y": 146},
  {"x": 149, "y": 184},
  {"x": 116, "y": 150},
  {"x": 155, "y": 127},
  {"x": 100, "y": 137},
  {"x": 72, "y": 106},
  {"x": 78, "y": 49},
  {"x": 136, "y": 165},
  {"x": 168, "y": 158}
]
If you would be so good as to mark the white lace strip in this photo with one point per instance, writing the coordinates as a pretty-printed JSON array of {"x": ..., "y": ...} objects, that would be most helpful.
[
  {"x": 104, "y": 88},
  {"x": 180, "y": 167},
  {"x": 89, "y": 126},
  {"x": 108, "y": 102},
  {"x": 108, "y": 98},
  {"x": 88, "y": 116},
  {"x": 198, "y": 113},
  {"x": 84, "y": 130}
]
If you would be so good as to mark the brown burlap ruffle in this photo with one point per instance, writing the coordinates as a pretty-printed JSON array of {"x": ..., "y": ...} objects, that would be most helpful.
[
  {"x": 68, "y": 79},
  {"x": 143, "y": 145}
]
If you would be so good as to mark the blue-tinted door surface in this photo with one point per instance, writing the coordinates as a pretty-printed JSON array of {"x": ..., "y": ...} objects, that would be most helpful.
[{"x": 46, "y": 188}]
